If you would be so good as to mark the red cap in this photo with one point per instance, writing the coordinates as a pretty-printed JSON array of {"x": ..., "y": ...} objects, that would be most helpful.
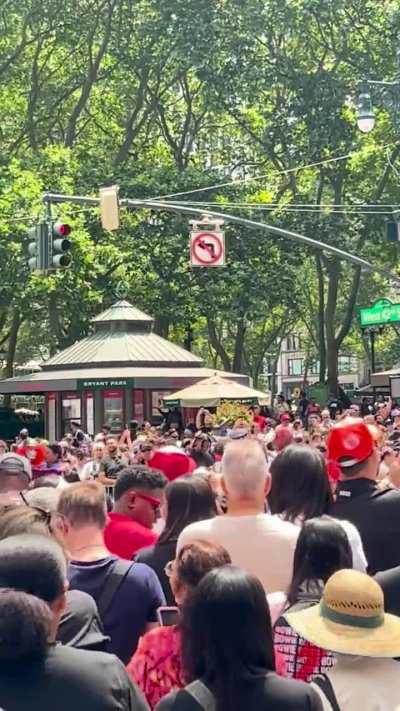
[
  {"x": 173, "y": 462},
  {"x": 349, "y": 443},
  {"x": 284, "y": 418}
]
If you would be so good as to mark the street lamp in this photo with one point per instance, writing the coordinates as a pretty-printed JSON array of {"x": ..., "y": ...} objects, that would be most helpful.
[
  {"x": 389, "y": 97},
  {"x": 365, "y": 112}
]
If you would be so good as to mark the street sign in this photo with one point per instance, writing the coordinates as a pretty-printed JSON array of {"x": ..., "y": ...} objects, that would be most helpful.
[
  {"x": 207, "y": 249},
  {"x": 380, "y": 313}
]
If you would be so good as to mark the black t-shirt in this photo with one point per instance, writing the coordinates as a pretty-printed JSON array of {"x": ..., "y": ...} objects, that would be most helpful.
[
  {"x": 273, "y": 693},
  {"x": 376, "y": 514},
  {"x": 68, "y": 680},
  {"x": 134, "y": 604},
  {"x": 389, "y": 580},
  {"x": 157, "y": 557},
  {"x": 80, "y": 625}
]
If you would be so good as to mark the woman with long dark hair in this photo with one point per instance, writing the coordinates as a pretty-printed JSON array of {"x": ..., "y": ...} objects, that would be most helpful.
[
  {"x": 156, "y": 665},
  {"x": 186, "y": 500},
  {"x": 322, "y": 549},
  {"x": 227, "y": 651},
  {"x": 300, "y": 490}
]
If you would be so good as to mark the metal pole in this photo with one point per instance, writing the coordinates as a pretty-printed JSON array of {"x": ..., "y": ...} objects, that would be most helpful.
[
  {"x": 251, "y": 224},
  {"x": 77, "y": 199},
  {"x": 372, "y": 342}
]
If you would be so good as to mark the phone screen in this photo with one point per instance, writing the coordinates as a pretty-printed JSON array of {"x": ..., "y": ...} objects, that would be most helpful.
[{"x": 168, "y": 616}]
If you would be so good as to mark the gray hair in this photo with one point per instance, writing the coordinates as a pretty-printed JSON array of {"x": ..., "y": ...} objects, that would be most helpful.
[{"x": 244, "y": 468}]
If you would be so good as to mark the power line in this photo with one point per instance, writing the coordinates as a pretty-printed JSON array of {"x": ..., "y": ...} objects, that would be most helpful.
[
  {"x": 289, "y": 207},
  {"x": 261, "y": 177}
]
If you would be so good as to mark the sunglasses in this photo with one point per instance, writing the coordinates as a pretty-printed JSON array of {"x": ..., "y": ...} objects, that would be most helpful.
[
  {"x": 152, "y": 500},
  {"x": 51, "y": 519}
]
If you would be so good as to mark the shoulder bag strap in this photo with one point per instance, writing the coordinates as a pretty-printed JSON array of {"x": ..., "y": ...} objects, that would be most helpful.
[
  {"x": 114, "y": 578},
  {"x": 324, "y": 683},
  {"x": 195, "y": 695},
  {"x": 202, "y": 695}
]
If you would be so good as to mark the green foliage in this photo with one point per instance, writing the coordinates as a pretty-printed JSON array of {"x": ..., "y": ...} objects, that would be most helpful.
[{"x": 165, "y": 97}]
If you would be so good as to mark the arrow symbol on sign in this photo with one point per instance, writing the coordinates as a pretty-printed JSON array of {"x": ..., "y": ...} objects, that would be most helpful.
[{"x": 209, "y": 247}]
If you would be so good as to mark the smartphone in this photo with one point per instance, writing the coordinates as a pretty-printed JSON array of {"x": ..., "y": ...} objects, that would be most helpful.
[{"x": 167, "y": 616}]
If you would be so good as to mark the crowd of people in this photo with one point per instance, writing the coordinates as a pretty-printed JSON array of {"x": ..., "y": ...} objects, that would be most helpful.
[{"x": 253, "y": 565}]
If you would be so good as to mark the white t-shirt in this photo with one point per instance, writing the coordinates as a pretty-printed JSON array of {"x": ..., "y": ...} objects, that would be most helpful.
[
  {"x": 364, "y": 684},
  {"x": 261, "y": 544}
]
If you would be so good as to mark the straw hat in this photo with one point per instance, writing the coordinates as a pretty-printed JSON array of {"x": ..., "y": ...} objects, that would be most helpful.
[{"x": 350, "y": 618}]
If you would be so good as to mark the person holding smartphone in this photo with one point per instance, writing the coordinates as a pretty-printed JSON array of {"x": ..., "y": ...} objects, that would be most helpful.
[{"x": 156, "y": 664}]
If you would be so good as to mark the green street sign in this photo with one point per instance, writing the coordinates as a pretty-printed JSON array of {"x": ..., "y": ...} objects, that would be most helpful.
[{"x": 380, "y": 313}]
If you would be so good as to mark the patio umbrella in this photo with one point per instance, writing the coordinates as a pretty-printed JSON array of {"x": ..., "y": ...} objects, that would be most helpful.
[{"x": 211, "y": 391}]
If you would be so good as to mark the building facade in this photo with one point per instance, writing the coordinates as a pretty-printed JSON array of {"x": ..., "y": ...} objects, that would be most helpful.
[
  {"x": 294, "y": 369},
  {"x": 121, "y": 371}
]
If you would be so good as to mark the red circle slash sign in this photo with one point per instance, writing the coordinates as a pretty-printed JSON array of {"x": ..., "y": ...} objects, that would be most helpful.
[{"x": 207, "y": 243}]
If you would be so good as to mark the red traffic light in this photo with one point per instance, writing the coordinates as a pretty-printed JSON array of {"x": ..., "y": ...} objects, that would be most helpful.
[{"x": 61, "y": 229}]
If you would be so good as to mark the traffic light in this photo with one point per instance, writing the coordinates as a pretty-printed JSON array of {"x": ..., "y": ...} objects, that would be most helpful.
[
  {"x": 37, "y": 248},
  {"x": 59, "y": 246}
]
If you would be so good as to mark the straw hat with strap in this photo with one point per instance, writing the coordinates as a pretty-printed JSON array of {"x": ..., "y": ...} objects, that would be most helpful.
[{"x": 350, "y": 618}]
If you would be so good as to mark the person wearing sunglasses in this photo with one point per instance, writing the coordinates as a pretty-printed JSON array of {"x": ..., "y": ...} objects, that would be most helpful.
[
  {"x": 137, "y": 498},
  {"x": 127, "y": 593}
]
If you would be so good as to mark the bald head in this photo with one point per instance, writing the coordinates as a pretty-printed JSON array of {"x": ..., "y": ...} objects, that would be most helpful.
[{"x": 244, "y": 468}]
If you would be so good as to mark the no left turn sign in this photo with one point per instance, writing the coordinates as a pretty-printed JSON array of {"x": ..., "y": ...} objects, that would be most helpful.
[{"x": 207, "y": 249}]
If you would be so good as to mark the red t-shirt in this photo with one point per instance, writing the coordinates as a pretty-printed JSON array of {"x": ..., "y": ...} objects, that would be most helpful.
[
  {"x": 124, "y": 537},
  {"x": 261, "y": 421}
]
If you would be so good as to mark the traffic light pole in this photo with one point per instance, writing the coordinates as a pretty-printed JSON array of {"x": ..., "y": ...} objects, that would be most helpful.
[{"x": 250, "y": 224}]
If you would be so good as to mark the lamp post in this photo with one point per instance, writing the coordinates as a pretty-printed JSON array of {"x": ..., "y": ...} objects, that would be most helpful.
[
  {"x": 389, "y": 98},
  {"x": 365, "y": 111},
  {"x": 372, "y": 332}
]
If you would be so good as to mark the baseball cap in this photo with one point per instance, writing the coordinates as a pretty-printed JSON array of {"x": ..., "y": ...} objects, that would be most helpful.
[
  {"x": 284, "y": 418},
  {"x": 173, "y": 462},
  {"x": 15, "y": 464},
  {"x": 350, "y": 443}
]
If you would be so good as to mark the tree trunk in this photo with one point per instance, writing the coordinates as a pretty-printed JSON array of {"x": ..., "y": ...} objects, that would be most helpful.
[
  {"x": 273, "y": 387},
  {"x": 217, "y": 345},
  {"x": 333, "y": 371},
  {"x": 161, "y": 326},
  {"x": 321, "y": 319},
  {"x": 12, "y": 345},
  {"x": 239, "y": 344},
  {"x": 333, "y": 268}
]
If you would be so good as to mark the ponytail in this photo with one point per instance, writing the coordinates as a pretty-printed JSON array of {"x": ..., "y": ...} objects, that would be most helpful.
[{"x": 25, "y": 623}]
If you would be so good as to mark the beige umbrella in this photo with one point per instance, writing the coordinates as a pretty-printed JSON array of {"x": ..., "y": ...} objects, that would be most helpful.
[{"x": 211, "y": 391}]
